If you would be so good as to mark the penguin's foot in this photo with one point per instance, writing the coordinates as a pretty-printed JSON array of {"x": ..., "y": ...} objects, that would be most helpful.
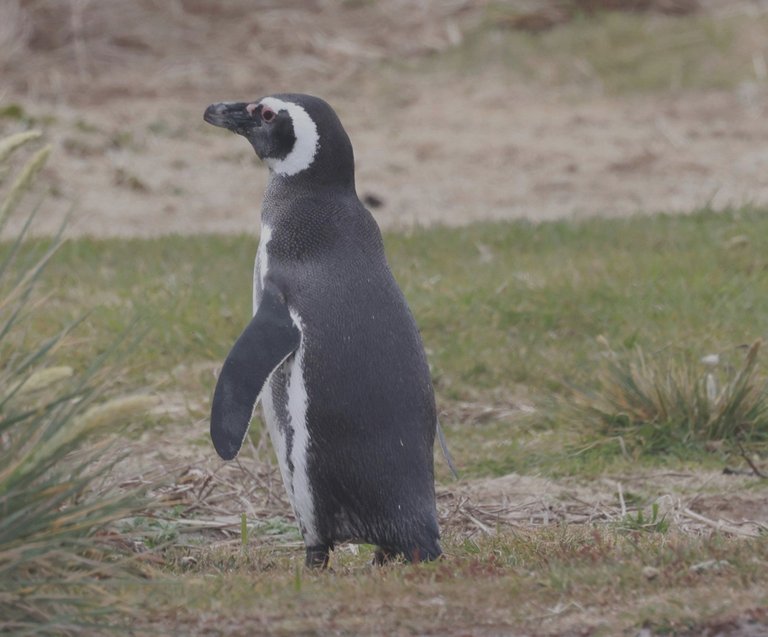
[
  {"x": 384, "y": 556},
  {"x": 422, "y": 554},
  {"x": 317, "y": 556}
]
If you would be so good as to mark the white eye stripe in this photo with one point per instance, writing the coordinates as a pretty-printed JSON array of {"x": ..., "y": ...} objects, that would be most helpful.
[{"x": 305, "y": 148}]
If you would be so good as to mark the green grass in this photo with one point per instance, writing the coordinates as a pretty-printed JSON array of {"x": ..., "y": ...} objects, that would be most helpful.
[
  {"x": 529, "y": 323},
  {"x": 529, "y": 316},
  {"x": 618, "y": 52},
  {"x": 662, "y": 404},
  {"x": 533, "y": 582},
  {"x": 60, "y": 561},
  {"x": 509, "y": 312}
]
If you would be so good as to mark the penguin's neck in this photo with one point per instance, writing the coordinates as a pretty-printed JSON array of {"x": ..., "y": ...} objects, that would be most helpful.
[
  {"x": 287, "y": 188},
  {"x": 305, "y": 218}
]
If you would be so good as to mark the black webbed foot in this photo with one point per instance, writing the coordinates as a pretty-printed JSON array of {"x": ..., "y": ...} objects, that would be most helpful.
[
  {"x": 317, "y": 556},
  {"x": 384, "y": 556}
]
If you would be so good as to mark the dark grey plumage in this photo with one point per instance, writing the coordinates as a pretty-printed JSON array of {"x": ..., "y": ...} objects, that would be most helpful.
[{"x": 350, "y": 406}]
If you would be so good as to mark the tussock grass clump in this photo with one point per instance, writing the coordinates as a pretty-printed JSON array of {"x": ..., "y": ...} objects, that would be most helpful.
[
  {"x": 59, "y": 558},
  {"x": 659, "y": 404}
]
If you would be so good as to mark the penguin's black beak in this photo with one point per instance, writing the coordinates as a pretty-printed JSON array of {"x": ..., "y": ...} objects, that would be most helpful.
[{"x": 234, "y": 116}]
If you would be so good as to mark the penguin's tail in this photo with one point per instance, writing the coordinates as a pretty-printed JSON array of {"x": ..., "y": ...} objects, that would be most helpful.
[{"x": 444, "y": 446}]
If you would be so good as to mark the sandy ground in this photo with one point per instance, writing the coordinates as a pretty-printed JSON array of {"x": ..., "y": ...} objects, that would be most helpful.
[
  {"x": 433, "y": 152},
  {"x": 121, "y": 98}
]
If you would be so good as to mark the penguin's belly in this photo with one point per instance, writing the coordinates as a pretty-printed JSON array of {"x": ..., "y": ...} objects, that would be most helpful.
[
  {"x": 285, "y": 410},
  {"x": 284, "y": 403}
]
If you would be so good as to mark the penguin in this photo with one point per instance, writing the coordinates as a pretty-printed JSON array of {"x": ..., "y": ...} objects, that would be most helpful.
[{"x": 332, "y": 351}]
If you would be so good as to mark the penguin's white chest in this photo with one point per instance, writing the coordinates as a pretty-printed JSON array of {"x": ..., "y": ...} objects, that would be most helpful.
[
  {"x": 261, "y": 265},
  {"x": 284, "y": 402}
]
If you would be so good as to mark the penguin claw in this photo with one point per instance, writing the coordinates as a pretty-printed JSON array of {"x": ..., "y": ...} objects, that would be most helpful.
[
  {"x": 317, "y": 556},
  {"x": 383, "y": 556}
]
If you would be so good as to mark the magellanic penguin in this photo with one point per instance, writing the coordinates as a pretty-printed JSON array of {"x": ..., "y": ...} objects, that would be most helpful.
[{"x": 332, "y": 350}]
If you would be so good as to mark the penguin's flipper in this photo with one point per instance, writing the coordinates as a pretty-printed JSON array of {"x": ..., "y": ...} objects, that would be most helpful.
[{"x": 270, "y": 338}]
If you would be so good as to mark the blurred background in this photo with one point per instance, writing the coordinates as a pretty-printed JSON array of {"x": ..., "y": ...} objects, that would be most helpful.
[
  {"x": 600, "y": 382},
  {"x": 459, "y": 110}
]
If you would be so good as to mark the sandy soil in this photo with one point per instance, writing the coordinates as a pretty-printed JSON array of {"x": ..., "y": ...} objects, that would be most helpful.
[
  {"x": 435, "y": 152},
  {"x": 133, "y": 157}
]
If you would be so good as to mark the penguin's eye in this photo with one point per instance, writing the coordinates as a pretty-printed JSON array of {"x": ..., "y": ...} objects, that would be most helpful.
[{"x": 267, "y": 114}]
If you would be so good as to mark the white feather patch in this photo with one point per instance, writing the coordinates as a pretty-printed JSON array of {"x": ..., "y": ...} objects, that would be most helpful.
[
  {"x": 261, "y": 265},
  {"x": 307, "y": 139},
  {"x": 296, "y": 483},
  {"x": 303, "y": 501},
  {"x": 275, "y": 434}
]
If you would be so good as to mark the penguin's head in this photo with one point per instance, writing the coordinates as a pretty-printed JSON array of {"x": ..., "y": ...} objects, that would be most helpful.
[{"x": 297, "y": 136}]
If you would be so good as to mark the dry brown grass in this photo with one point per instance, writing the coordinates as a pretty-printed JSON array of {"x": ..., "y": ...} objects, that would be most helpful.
[
  {"x": 523, "y": 553},
  {"x": 204, "y": 499}
]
